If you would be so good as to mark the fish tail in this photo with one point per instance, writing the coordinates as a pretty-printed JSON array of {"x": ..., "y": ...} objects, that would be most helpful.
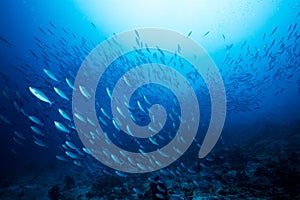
[{"x": 52, "y": 102}]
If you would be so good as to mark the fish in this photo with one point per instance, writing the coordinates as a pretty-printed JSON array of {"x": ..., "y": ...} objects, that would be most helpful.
[
  {"x": 102, "y": 121},
  {"x": 146, "y": 100},
  {"x": 20, "y": 135},
  {"x": 37, "y": 130},
  {"x": 50, "y": 74},
  {"x": 228, "y": 47},
  {"x": 206, "y": 33},
  {"x": 160, "y": 196},
  {"x": 61, "y": 158},
  {"x": 108, "y": 92},
  {"x": 86, "y": 150},
  {"x": 139, "y": 192},
  {"x": 189, "y": 34},
  {"x": 153, "y": 141},
  {"x": 34, "y": 119},
  {"x": 78, "y": 163},
  {"x": 70, "y": 84},
  {"x": 64, "y": 114},
  {"x": 116, "y": 125},
  {"x": 71, "y": 155},
  {"x": 84, "y": 92},
  {"x": 120, "y": 112},
  {"x": 33, "y": 54},
  {"x": 223, "y": 37},
  {"x": 60, "y": 93},
  {"x": 51, "y": 23},
  {"x": 42, "y": 31},
  {"x": 61, "y": 127},
  {"x": 5, "y": 119},
  {"x": 93, "y": 25},
  {"x": 18, "y": 141},
  {"x": 71, "y": 145},
  {"x": 40, "y": 143},
  {"x": 121, "y": 174},
  {"x": 140, "y": 106},
  {"x": 274, "y": 30},
  {"x": 104, "y": 113},
  {"x": 78, "y": 116},
  {"x": 40, "y": 95},
  {"x": 5, "y": 41}
]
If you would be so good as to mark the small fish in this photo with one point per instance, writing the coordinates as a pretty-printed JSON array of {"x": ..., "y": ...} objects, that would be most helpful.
[
  {"x": 34, "y": 119},
  {"x": 41, "y": 96},
  {"x": 160, "y": 196},
  {"x": 94, "y": 26},
  {"x": 102, "y": 121},
  {"x": 78, "y": 116},
  {"x": 223, "y": 37},
  {"x": 264, "y": 36},
  {"x": 108, "y": 92},
  {"x": 71, "y": 145},
  {"x": 86, "y": 150},
  {"x": 61, "y": 158},
  {"x": 71, "y": 155},
  {"x": 228, "y": 47},
  {"x": 140, "y": 106},
  {"x": 5, "y": 119},
  {"x": 120, "y": 112},
  {"x": 104, "y": 113},
  {"x": 137, "y": 34},
  {"x": 210, "y": 159},
  {"x": 40, "y": 143},
  {"x": 116, "y": 125},
  {"x": 70, "y": 84},
  {"x": 51, "y": 23},
  {"x": 126, "y": 81},
  {"x": 189, "y": 34},
  {"x": 121, "y": 174},
  {"x": 84, "y": 92},
  {"x": 50, "y": 74},
  {"x": 78, "y": 163},
  {"x": 60, "y": 93},
  {"x": 37, "y": 130},
  {"x": 64, "y": 114},
  {"x": 61, "y": 127},
  {"x": 33, "y": 54},
  {"x": 153, "y": 141},
  {"x": 206, "y": 33},
  {"x": 5, "y": 41},
  {"x": 42, "y": 31},
  {"x": 18, "y": 141},
  {"x": 274, "y": 30},
  {"x": 146, "y": 100},
  {"x": 139, "y": 192},
  {"x": 20, "y": 135}
]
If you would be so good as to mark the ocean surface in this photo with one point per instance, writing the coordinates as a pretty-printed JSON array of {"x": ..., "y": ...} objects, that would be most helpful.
[{"x": 43, "y": 134}]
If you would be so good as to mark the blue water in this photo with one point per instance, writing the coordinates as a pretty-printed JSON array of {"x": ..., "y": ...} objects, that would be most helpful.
[{"x": 261, "y": 75}]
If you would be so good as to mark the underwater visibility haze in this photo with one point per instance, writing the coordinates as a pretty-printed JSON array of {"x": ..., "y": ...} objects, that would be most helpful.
[{"x": 150, "y": 99}]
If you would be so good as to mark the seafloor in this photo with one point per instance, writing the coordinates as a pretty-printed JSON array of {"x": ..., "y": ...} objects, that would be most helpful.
[{"x": 261, "y": 165}]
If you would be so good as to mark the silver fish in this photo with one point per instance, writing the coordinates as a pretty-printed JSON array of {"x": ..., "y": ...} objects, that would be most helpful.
[
  {"x": 61, "y": 127},
  {"x": 37, "y": 130},
  {"x": 60, "y": 93},
  {"x": 50, "y": 74},
  {"x": 70, "y": 84},
  {"x": 64, "y": 114},
  {"x": 35, "y": 120},
  {"x": 84, "y": 92},
  {"x": 40, "y": 95}
]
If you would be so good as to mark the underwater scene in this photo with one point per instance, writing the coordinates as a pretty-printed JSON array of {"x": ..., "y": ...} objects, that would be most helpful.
[{"x": 140, "y": 99}]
